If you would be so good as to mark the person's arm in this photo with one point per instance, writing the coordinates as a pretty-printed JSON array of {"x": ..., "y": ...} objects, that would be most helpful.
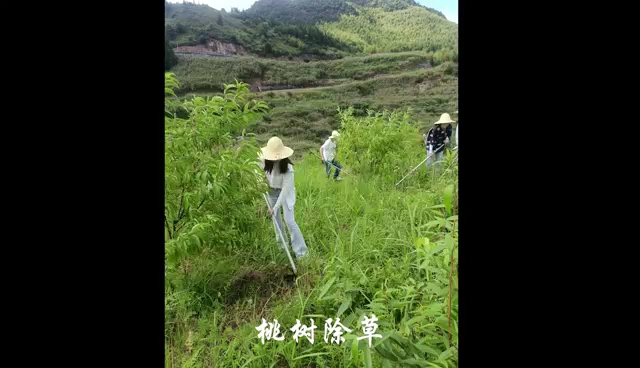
[
  {"x": 322, "y": 151},
  {"x": 287, "y": 187},
  {"x": 430, "y": 141}
]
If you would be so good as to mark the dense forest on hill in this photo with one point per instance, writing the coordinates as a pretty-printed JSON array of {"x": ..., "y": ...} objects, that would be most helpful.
[
  {"x": 374, "y": 30},
  {"x": 314, "y": 11},
  {"x": 191, "y": 24}
]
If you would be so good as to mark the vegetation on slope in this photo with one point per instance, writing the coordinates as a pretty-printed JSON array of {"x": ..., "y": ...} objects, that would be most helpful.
[
  {"x": 299, "y": 11},
  {"x": 191, "y": 24},
  {"x": 373, "y": 249},
  {"x": 411, "y": 29},
  {"x": 273, "y": 28},
  {"x": 210, "y": 74},
  {"x": 307, "y": 116},
  {"x": 314, "y": 11},
  {"x": 170, "y": 59}
]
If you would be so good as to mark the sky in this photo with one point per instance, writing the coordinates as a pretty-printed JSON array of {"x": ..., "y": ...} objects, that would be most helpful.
[{"x": 448, "y": 7}]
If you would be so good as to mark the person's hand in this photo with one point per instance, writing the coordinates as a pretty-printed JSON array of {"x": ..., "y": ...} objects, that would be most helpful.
[
  {"x": 446, "y": 140},
  {"x": 271, "y": 212}
]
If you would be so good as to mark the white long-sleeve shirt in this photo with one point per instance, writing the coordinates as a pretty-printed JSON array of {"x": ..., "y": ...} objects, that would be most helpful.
[
  {"x": 329, "y": 149},
  {"x": 281, "y": 181},
  {"x": 457, "y": 135}
]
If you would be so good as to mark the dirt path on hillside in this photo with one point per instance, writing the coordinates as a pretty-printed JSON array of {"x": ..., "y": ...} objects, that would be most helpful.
[{"x": 302, "y": 89}]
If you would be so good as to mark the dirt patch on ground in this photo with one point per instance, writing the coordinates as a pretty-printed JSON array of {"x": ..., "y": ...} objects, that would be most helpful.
[
  {"x": 254, "y": 291},
  {"x": 259, "y": 283}
]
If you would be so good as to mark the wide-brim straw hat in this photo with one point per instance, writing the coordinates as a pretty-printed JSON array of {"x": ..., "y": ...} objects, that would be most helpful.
[
  {"x": 334, "y": 134},
  {"x": 445, "y": 119},
  {"x": 276, "y": 150}
]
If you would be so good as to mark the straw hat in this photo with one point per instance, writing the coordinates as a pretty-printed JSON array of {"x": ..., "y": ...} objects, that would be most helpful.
[
  {"x": 444, "y": 119},
  {"x": 275, "y": 150},
  {"x": 334, "y": 134}
]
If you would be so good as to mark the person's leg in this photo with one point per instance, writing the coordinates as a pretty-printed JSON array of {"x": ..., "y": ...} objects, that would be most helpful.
[
  {"x": 438, "y": 158},
  {"x": 338, "y": 167},
  {"x": 273, "y": 198},
  {"x": 297, "y": 240},
  {"x": 327, "y": 166},
  {"x": 429, "y": 160}
]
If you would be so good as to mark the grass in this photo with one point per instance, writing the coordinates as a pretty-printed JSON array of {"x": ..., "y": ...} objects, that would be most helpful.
[
  {"x": 373, "y": 248},
  {"x": 368, "y": 253}
]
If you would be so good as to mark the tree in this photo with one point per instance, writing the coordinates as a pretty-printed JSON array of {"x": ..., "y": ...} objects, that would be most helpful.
[
  {"x": 220, "y": 21},
  {"x": 170, "y": 59},
  {"x": 211, "y": 181},
  {"x": 268, "y": 49}
]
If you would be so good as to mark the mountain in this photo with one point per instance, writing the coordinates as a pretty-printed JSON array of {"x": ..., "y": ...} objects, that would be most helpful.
[
  {"x": 314, "y": 11},
  {"x": 325, "y": 28}
]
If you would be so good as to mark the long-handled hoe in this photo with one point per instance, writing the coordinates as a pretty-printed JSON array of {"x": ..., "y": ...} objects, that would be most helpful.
[
  {"x": 282, "y": 238},
  {"x": 420, "y": 164},
  {"x": 337, "y": 168}
]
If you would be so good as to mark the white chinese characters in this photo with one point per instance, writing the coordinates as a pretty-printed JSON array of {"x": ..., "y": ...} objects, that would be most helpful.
[
  {"x": 369, "y": 328},
  {"x": 269, "y": 330},
  {"x": 300, "y": 330},
  {"x": 333, "y": 330}
]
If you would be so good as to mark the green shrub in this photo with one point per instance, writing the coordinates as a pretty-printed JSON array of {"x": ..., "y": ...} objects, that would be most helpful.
[{"x": 380, "y": 143}]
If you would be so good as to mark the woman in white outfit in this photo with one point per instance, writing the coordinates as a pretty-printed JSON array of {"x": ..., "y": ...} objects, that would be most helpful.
[{"x": 282, "y": 192}]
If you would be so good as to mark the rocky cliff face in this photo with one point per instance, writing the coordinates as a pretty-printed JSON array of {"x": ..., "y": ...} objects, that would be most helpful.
[
  {"x": 225, "y": 48},
  {"x": 213, "y": 47}
]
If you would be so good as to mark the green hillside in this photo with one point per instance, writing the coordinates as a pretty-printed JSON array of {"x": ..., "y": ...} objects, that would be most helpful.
[
  {"x": 299, "y": 11},
  {"x": 314, "y": 11},
  {"x": 209, "y": 74},
  {"x": 414, "y": 28},
  {"x": 191, "y": 24},
  {"x": 307, "y": 116},
  {"x": 331, "y": 28}
]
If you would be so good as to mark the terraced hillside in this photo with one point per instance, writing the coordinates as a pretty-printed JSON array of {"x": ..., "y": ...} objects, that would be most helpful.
[{"x": 305, "y": 97}]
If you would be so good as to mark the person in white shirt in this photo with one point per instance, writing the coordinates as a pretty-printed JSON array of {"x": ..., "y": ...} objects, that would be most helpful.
[
  {"x": 457, "y": 126},
  {"x": 278, "y": 169},
  {"x": 328, "y": 155}
]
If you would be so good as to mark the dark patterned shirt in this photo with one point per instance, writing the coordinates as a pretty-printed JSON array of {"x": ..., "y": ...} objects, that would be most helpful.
[{"x": 436, "y": 137}]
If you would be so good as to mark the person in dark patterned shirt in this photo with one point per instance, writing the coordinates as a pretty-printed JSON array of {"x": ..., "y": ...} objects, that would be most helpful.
[{"x": 438, "y": 137}]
